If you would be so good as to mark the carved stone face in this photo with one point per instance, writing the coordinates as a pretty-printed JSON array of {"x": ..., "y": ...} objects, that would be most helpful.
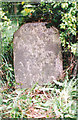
[{"x": 37, "y": 54}]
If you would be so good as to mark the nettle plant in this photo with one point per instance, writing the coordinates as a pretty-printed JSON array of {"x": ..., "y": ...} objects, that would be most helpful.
[
  {"x": 68, "y": 26},
  {"x": 7, "y": 28}
]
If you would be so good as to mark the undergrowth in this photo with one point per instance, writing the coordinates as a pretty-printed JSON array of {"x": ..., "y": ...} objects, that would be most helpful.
[{"x": 56, "y": 100}]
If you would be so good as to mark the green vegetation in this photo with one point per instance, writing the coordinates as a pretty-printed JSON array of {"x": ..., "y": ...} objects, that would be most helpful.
[
  {"x": 48, "y": 101},
  {"x": 7, "y": 28},
  {"x": 57, "y": 100}
]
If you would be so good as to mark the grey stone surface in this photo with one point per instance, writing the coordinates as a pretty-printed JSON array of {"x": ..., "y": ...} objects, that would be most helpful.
[{"x": 37, "y": 54}]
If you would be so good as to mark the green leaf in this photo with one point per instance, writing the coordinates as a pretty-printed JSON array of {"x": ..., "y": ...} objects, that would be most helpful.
[{"x": 64, "y": 5}]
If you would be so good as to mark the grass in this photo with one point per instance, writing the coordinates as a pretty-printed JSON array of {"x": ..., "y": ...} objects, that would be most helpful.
[{"x": 56, "y": 100}]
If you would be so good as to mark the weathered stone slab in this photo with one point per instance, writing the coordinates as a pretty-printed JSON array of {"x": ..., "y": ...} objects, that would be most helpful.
[{"x": 37, "y": 54}]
